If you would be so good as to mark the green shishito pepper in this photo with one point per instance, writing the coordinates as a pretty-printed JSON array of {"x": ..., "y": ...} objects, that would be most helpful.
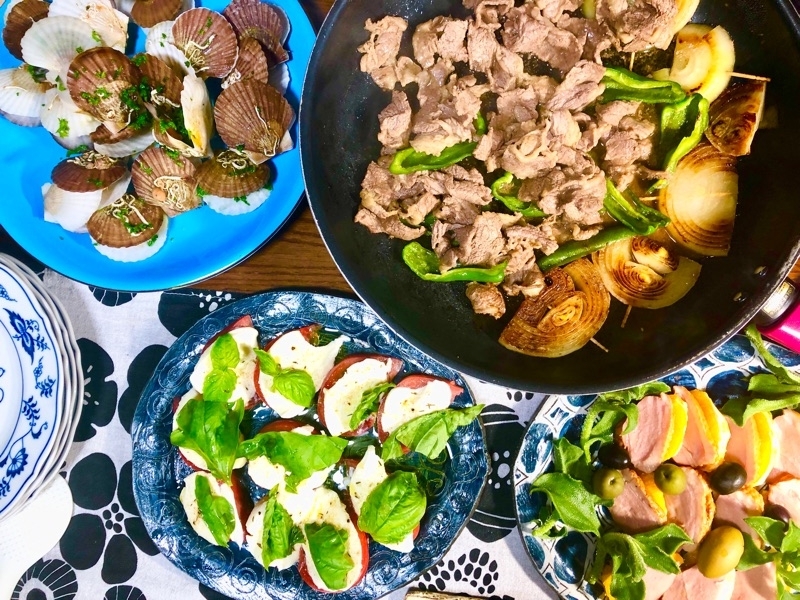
[
  {"x": 505, "y": 190},
  {"x": 425, "y": 265},
  {"x": 682, "y": 127},
  {"x": 622, "y": 84},
  {"x": 576, "y": 249},
  {"x": 409, "y": 160},
  {"x": 628, "y": 210}
]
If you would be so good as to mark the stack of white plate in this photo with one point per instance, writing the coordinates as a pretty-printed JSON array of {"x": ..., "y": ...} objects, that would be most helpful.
[{"x": 41, "y": 386}]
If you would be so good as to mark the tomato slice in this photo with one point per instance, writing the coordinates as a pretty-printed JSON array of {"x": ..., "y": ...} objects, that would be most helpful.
[
  {"x": 245, "y": 321},
  {"x": 308, "y": 332},
  {"x": 415, "y": 381},
  {"x": 241, "y": 496},
  {"x": 362, "y": 538},
  {"x": 284, "y": 425},
  {"x": 338, "y": 371}
]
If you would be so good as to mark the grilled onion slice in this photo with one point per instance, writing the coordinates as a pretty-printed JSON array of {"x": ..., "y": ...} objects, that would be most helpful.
[
  {"x": 734, "y": 117},
  {"x": 564, "y": 317},
  {"x": 700, "y": 201},
  {"x": 703, "y": 61},
  {"x": 641, "y": 272}
]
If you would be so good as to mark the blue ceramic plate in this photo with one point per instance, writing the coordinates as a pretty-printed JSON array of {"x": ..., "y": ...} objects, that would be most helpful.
[
  {"x": 31, "y": 388},
  {"x": 200, "y": 243},
  {"x": 562, "y": 562},
  {"x": 158, "y": 472}
]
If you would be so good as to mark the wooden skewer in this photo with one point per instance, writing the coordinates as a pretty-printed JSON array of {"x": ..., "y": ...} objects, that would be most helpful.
[
  {"x": 711, "y": 195},
  {"x": 599, "y": 345},
  {"x": 633, "y": 60},
  {"x": 748, "y": 76},
  {"x": 625, "y": 318}
]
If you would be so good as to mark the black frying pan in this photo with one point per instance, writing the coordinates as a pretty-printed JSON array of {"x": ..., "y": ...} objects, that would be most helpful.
[{"x": 338, "y": 129}]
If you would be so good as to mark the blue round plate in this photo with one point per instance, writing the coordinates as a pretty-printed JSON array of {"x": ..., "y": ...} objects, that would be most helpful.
[
  {"x": 723, "y": 374},
  {"x": 158, "y": 472},
  {"x": 200, "y": 243}
]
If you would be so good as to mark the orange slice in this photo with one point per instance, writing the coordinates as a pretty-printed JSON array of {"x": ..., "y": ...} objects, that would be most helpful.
[{"x": 677, "y": 427}]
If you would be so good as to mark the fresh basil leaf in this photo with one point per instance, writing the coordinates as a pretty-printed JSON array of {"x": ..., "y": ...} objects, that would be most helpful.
[
  {"x": 301, "y": 455},
  {"x": 625, "y": 589},
  {"x": 428, "y": 434},
  {"x": 218, "y": 385},
  {"x": 357, "y": 446},
  {"x": 393, "y": 509},
  {"x": 327, "y": 546},
  {"x": 753, "y": 556},
  {"x": 791, "y": 541},
  {"x": 771, "y": 362},
  {"x": 295, "y": 385},
  {"x": 225, "y": 352},
  {"x": 266, "y": 363},
  {"x": 370, "y": 400},
  {"x": 571, "y": 460},
  {"x": 771, "y": 531},
  {"x": 215, "y": 511},
  {"x": 280, "y": 535},
  {"x": 212, "y": 430},
  {"x": 576, "y": 507}
]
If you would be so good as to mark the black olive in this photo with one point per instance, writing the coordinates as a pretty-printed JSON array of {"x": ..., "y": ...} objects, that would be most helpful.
[
  {"x": 777, "y": 512},
  {"x": 614, "y": 456},
  {"x": 728, "y": 478}
]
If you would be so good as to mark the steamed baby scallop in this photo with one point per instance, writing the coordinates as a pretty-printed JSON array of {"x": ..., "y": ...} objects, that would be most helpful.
[
  {"x": 515, "y": 144},
  {"x": 149, "y": 119}
]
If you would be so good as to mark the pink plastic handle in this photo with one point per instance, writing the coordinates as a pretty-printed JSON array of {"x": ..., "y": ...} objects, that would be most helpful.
[{"x": 786, "y": 331}]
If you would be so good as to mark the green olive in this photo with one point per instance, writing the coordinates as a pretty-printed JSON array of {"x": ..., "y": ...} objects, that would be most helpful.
[
  {"x": 608, "y": 483},
  {"x": 614, "y": 457},
  {"x": 720, "y": 551},
  {"x": 670, "y": 479},
  {"x": 728, "y": 478}
]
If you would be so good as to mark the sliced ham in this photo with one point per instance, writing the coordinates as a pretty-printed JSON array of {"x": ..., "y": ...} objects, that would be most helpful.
[
  {"x": 752, "y": 447},
  {"x": 734, "y": 508},
  {"x": 693, "y": 585},
  {"x": 648, "y": 444},
  {"x": 692, "y": 509},
  {"x": 786, "y": 493},
  {"x": 758, "y": 583},
  {"x": 635, "y": 510},
  {"x": 786, "y": 441},
  {"x": 656, "y": 583},
  {"x": 707, "y": 432}
]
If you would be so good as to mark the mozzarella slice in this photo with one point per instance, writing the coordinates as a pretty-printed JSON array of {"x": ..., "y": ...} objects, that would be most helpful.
[
  {"x": 292, "y": 351},
  {"x": 403, "y": 403},
  {"x": 327, "y": 507},
  {"x": 188, "y": 454},
  {"x": 247, "y": 340},
  {"x": 369, "y": 474},
  {"x": 188, "y": 498},
  {"x": 255, "y": 536},
  {"x": 343, "y": 397},
  {"x": 285, "y": 408}
]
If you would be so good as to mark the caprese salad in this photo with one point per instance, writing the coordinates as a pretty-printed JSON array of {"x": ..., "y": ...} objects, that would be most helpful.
[{"x": 327, "y": 463}]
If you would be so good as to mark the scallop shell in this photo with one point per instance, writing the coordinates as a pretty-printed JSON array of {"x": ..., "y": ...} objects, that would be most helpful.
[
  {"x": 279, "y": 78},
  {"x": 107, "y": 23},
  {"x": 11, "y": 4},
  {"x": 255, "y": 115},
  {"x": 198, "y": 118},
  {"x": 160, "y": 43},
  {"x": 207, "y": 40},
  {"x": 165, "y": 181},
  {"x": 266, "y": 23},
  {"x": 19, "y": 19},
  {"x": 125, "y": 6},
  {"x": 71, "y": 210},
  {"x": 231, "y": 174},
  {"x": 53, "y": 42},
  {"x": 21, "y": 96},
  {"x": 103, "y": 135},
  {"x": 127, "y": 147},
  {"x": 166, "y": 84},
  {"x": 139, "y": 252},
  {"x": 127, "y": 222},
  {"x": 251, "y": 64},
  {"x": 60, "y": 116},
  {"x": 98, "y": 82},
  {"x": 148, "y": 13},
  {"x": 232, "y": 206},
  {"x": 87, "y": 172}
]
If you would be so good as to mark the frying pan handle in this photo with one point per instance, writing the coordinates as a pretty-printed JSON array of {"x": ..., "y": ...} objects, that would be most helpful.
[
  {"x": 781, "y": 317},
  {"x": 790, "y": 9}
]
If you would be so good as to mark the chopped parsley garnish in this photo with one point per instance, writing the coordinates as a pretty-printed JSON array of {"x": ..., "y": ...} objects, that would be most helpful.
[
  {"x": 77, "y": 150},
  {"x": 268, "y": 186},
  {"x": 152, "y": 240},
  {"x": 187, "y": 63},
  {"x": 241, "y": 199},
  {"x": 100, "y": 74},
  {"x": 37, "y": 74},
  {"x": 139, "y": 59},
  {"x": 132, "y": 98},
  {"x": 61, "y": 86},
  {"x": 201, "y": 192},
  {"x": 96, "y": 182},
  {"x": 63, "y": 128},
  {"x": 145, "y": 167},
  {"x": 174, "y": 155},
  {"x": 79, "y": 49},
  {"x": 117, "y": 72},
  {"x": 96, "y": 37}
]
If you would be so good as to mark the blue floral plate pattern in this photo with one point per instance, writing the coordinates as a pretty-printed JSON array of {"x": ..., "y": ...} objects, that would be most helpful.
[
  {"x": 232, "y": 571},
  {"x": 562, "y": 562},
  {"x": 200, "y": 243},
  {"x": 31, "y": 382}
]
